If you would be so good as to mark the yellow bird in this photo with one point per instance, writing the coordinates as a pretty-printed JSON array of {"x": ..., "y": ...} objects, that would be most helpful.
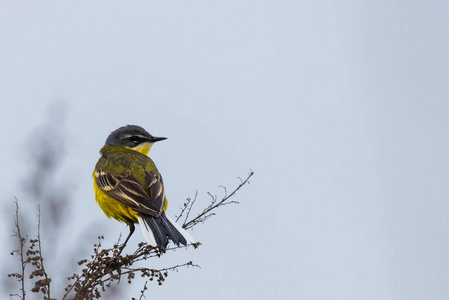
[{"x": 129, "y": 188}]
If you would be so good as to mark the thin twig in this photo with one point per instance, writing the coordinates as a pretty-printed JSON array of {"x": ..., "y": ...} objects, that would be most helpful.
[
  {"x": 154, "y": 271},
  {"x": 20, "y": 252},
  {"x": 187, "y": 206},
  {"x": 190, "y": 206},
  {"x": 85, "y": 274},
  {"x": 47, "y": 280},
  {"x": 143, "y": 291},
  {"x": 205, "y": 214}
]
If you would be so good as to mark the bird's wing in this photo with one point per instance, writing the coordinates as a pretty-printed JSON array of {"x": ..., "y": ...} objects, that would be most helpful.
[
  {"x": 155, "y": 186},
  {"x": 126, "y": 189}
]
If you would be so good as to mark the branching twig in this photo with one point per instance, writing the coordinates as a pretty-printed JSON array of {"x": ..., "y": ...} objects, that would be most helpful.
[
  {"x": 142, "y": 292},
  {"x": 108, "y": 266},
  {"x": 206, "y": 213},
  {"x": 20, "y": 252},
  {"x": 37, "y": 260},
  {"x": 187, "y": 207}
]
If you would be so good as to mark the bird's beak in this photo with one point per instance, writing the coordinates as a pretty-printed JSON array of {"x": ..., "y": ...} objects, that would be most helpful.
[{"x": 155, "y": 139}]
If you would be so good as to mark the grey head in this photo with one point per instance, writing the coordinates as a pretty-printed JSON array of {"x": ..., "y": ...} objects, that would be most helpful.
[{"x": 131, "y": 136}]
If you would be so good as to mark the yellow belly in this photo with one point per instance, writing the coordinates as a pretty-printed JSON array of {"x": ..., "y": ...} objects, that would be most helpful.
[{"x": 113, "y": 208}]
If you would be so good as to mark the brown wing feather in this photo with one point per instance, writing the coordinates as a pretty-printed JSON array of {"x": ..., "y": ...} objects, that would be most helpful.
[
  {"x": 126, "y": 189},
  {"x": 155, "y": 186}
]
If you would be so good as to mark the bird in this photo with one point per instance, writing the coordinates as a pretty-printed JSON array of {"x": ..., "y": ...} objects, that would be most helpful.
[{"x": 129, "y": 188}]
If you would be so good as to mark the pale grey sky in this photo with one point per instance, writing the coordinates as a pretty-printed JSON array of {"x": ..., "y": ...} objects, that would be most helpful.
[{"x": 339, "y": 107}]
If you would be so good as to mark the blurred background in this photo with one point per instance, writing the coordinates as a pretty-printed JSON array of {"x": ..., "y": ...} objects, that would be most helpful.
[{"x": 339, "y": 107}]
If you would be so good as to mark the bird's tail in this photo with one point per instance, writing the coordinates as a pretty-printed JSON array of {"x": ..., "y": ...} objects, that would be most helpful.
[{"x": 157, "y": 231}]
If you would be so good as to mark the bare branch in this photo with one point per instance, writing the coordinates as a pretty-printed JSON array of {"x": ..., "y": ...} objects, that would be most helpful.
[
  {"x": 20, "y": 252},
  {"x": 206, "y": 213},
  {"x": 142, "y": 295},
  {"x": 190, "y": 207}
]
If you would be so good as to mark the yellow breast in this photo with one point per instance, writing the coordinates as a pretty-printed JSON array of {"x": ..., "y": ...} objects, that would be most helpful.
[{"x": 113, "y": 208}]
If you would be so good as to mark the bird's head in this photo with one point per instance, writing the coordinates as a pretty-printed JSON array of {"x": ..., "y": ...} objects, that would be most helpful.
[{"x": 133, "y": 137}]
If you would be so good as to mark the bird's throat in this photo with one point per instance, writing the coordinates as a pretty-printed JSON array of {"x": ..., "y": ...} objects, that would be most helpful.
[{"x": 143, "y": 148}]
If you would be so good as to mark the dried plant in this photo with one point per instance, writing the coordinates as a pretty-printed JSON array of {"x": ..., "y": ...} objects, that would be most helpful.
[
  {"x": 34, "y": 256},
  {"x": 207, "y": 212},
  {"x": 106, "y": 265},
  {"x": 20, "y": 252}
]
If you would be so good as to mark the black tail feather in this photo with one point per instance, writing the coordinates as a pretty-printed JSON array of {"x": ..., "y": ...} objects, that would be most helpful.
[
  {"x": 173, "y": 233},
  {"x": 159, "y": 233},
  {"x": 163, "y": 230}
]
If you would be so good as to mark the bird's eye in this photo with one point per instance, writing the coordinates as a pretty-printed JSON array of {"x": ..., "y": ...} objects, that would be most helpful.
[{"x": 136, "y": 140}]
